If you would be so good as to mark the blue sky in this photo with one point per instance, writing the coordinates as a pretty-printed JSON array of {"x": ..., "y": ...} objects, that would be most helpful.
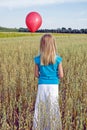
[{"x": 55, "y": 13}]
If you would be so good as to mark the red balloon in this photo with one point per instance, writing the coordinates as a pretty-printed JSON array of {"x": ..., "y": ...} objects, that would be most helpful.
[{"x": 33, "y": 21}]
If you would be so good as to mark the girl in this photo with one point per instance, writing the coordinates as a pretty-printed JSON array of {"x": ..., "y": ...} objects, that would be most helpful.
[{"x": 48, "y": 70}]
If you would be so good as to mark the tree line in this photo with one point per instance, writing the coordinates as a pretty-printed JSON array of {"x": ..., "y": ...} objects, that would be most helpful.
[
  {"x": 4, "y": 29},
  {"x": 58, "y": 30}
]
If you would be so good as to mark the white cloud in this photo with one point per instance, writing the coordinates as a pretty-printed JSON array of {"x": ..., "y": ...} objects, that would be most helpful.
[
  {"x": 27, "y": 3},
  {"x": 82, "y": 19}
]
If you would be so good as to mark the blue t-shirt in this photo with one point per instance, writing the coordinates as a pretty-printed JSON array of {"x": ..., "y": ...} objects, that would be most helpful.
[{"x": 48, "y": 73}]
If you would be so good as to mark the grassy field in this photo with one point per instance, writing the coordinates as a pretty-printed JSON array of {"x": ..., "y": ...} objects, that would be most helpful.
[
  {"x": 13, "y": 34},
  {"x": 18, "y": 88}
]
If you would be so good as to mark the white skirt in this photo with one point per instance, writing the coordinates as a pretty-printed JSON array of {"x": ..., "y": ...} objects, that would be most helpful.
[{"x": 47, "y": 113}]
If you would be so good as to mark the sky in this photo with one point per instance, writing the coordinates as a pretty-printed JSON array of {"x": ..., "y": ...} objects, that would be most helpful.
[{"x": 55, "y": 13}]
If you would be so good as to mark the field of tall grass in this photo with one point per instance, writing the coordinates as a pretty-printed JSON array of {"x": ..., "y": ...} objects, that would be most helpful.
[{"x": 18, "y": 88}]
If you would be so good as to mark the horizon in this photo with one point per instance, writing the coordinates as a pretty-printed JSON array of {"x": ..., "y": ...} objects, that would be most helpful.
[{"x": 42, "y": 28}]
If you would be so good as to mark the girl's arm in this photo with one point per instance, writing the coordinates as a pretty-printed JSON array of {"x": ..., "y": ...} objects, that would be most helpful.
[
  {"x": 60, "y": 68},
  {"x": 36, "y": 71}
]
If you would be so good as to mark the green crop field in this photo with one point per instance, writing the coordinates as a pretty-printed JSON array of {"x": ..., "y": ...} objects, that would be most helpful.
[{"x": 18, "y": 88}]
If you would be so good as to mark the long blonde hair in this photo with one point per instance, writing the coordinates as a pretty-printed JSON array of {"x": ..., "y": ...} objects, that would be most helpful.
[{"x": 47, "y": 49}]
